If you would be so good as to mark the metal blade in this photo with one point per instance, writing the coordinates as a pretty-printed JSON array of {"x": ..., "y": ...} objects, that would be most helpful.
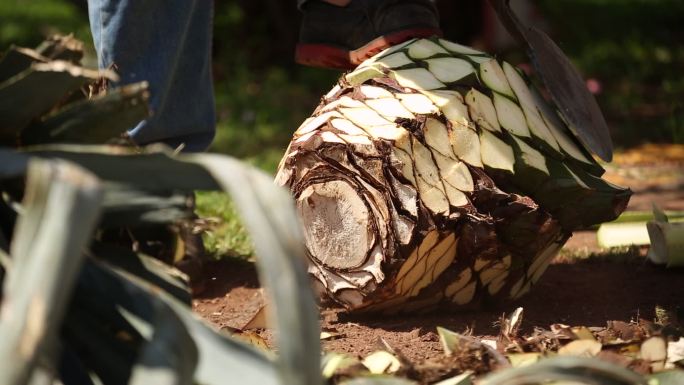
[{"x": 566, "y": 86}]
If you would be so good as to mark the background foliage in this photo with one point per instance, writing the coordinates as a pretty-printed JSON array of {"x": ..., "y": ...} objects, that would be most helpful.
[{"x": 632, "y": 49}]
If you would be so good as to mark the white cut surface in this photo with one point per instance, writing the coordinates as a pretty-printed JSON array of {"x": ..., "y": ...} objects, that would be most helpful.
[
  {"x": 333, "y": 91},
  {"x": 364, "y": 117},
  {"x": 531, "y": 156},
  {"x": 393, "y": 49},
  {"x": 423, "y": 49},
  {"x": 386, "y": 131},
  {"x": 458, "y": 48},
  {"x": 450, "y": 69},
  {"x": 451, "y": 104},
  {"x": 405, "y": 165},
  {"x": 314, "y": 123},
  {"x": 442, "y": 97},
  {"x": 390, "y": 108},
  {"x": 498, "y": 284},
  {"x": 338, "y": 232},
  {"x": 455, "y": 196},
  {"x": 437, "y": 137},
  {"x": 394, "y": 60},
  {"x": 459, "y": 283},
  {"x": 511, "y": 116},
  {"x": 407, "y": 196},
  {"x": 374, "y": 92},
  {"x": 344, "y": 101},
  {"x": 538, "y": 128},
  {"x": 495, "y": 152},
  {"x": 330, "y": 137},
  {"x": 466, "y": 294},
  {"x": 417, "y": 103},
  {"x": 493, "y": 76},
  {"x": 428, "y": 179},
  {"x": 356, "y": 139},
  {"x": 466, "y": 145},
  {"x": 482, "y": 110},
  {"x": 363, "y": 74},
  {"x": 347, "y": 127},
  {"x": 519, "y": 86},
  {"x": 455, "y": 173},
  {"x": 437, "y": 260},
  {"x": 417, "y": 79},
  {"x": 417, "y": 255}
]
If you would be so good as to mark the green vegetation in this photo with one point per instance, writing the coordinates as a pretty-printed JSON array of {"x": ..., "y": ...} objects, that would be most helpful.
[
  {"x": 81, "y": 305},
  {"x": 633, "y": 48},
  {"x": 226, "y": 236},
  {"x": 26, "y": 23}
]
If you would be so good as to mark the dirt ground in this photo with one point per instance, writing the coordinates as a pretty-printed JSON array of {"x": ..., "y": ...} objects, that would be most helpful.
[{"x": 587, "y": 292}]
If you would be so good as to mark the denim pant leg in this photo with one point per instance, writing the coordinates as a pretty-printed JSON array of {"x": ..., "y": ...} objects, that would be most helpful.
[{"x": 168, "y": 44}]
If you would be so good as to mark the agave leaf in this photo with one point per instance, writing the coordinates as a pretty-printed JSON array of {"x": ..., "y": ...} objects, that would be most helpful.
[
  {"x": 263, "y": 209},
  {"x": 46, "y": 259},
  {"x": 18, "y": 59},
  {"x": 94, "y": 349},
  {"x": 144, "y": 300},
  {"x": 670, "y": 377},
  {"x": 278, "y": 243},
  {"x": 157, "y": 273},
  {"x": 62, "y": 47},
  {"x": 24, "y": 97},
  {"x": 266, "y": 210},
  {"x": 126, "y": 206},
  {"x": 571, "y": 369},
  {"x": 123, "y": 204},
  {"x": 169, "y": 356},
  {"x": 92, "y": 121},
  {"x": 155, "y": 171}
]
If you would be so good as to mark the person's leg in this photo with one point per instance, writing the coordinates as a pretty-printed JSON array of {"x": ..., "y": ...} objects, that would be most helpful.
[
  {"x": 343, "y": 33},
  {"x": 168, "y": 44}
]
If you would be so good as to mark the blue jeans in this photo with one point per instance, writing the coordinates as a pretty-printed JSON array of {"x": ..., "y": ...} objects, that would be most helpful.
[{"x": 168, "y": 44}]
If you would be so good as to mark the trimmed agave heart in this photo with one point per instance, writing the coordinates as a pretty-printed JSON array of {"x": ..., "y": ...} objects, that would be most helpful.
[{"x": 435, "y": 174}]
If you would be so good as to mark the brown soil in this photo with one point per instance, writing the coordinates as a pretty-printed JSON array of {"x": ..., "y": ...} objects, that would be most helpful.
[{"x": 586, "y": 292}]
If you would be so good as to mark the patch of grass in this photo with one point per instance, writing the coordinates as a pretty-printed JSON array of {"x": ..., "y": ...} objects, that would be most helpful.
[{"x": 226, "y": 236}]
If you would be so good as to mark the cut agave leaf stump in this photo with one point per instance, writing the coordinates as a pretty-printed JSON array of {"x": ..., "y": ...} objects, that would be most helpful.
[{"x": 435, "y": 175}]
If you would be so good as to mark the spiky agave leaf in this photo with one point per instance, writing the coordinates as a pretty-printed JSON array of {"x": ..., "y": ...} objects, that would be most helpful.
[{"x": 435, "y": 174}]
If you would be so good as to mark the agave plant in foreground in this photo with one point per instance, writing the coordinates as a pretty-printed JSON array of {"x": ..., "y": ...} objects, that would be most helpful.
[
  {"x": 77, "y": 308},
  {"x": 435, "y": 175}
]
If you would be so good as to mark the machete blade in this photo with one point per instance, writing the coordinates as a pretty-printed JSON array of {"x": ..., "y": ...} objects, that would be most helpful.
[{"x": 565, "y": 84}]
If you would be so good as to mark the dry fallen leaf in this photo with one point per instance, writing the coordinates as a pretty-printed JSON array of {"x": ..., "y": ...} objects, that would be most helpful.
[
  {"x": 381, "y": 362},
  {"x": 330, "y": 335},
  {"x": 252, "y": 338},
  {"x": 581, "y": 348},
  {"x": 259, "y": 320},
  {"x": 332, "y": 362},
  {"x": 654, "y": 351}
]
